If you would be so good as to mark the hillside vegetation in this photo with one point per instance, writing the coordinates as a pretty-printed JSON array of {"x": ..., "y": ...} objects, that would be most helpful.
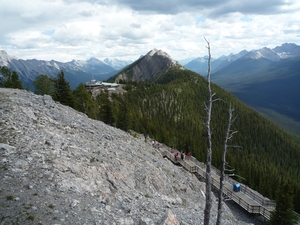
[{"x": 171, "y": 110}]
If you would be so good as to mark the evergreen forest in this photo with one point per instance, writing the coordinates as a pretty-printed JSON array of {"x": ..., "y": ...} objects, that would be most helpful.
[{"x": 171, "y": 110}]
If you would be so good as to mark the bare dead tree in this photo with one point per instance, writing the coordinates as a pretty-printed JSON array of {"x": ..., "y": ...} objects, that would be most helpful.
[
  {"x": 228, "y": 136},
  {"x": 208, "y": 108}
]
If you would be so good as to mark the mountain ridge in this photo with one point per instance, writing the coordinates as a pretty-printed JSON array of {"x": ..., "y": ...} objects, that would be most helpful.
[
  {"x": 77, "y": 71},
  {"x": 286, "y": 50}
]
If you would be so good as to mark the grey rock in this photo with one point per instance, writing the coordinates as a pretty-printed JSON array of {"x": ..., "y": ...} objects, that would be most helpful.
[
  {"x": 6, "y": 149},
  {"x": 169, "y": 219},
  {"x": 146, "y": 221},
  {"x": 74, "y": 203}
]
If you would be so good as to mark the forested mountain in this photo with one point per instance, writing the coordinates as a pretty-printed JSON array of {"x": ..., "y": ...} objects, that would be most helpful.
[{"x": 171, "y": 110}]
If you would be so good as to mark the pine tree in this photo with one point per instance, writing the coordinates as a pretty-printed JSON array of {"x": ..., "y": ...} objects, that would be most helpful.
[
  {"x": 105, "y": 108},
  {"x": 15, "y": 81},
  {"x": 10, "y": 80},
  {"x": 283, "y": 214},
  {"x": 43, "y": 85},
  {"x": 84, "y": 101},
  {"x": 63, "y": 92},
  {"x": 123, "y": 118}
]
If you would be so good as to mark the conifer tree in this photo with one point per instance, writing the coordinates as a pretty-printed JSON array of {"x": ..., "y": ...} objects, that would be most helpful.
[
  {"x": 5, "y": 74},
  {"x": 10, "y": 79},
  {"x": 105, "y": 108},
  {"x": 83, "y": 101},
  {"x": 283, "y": 214},
  {"x": 16, "y": 83},
  {"x": 63, "y": 92},
  {"x": 123, "y": 118},
  {"x": 43, "y": 85}
]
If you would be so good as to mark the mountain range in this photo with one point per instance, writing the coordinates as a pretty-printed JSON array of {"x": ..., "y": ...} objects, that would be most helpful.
[
  {"x": 267, "y": 79},
  {"x": 286, "y": 50},
  {"x": 76, "y": 71}
]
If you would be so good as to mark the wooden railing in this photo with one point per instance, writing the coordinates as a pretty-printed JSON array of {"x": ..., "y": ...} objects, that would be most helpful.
[{"x": 266, "y": 205}]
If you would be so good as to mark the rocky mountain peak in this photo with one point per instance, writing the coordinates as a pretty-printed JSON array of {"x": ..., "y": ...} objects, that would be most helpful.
[
  {"x": 160, "y": 53},
  {"x": 154, "y": 63},
  {"x": 60, "y": 167},
  {"x": 152, "y": 52},
  {"x": 94, "y": 61},
  {"x": 287, "y": 50},
  {"x": 265, "y": 52},
  {"x": 5, "y": 58},
  {"x": 117, "y": 63}
]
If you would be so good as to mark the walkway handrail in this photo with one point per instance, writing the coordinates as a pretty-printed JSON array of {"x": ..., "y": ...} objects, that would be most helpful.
[
  {"x": 248, "y": 191},
  {"x": 199, "y": 168}
]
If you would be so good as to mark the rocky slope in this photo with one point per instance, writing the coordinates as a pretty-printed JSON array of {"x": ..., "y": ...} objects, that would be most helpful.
[
  {"x": 60, "y": 167},
  {"x": 148, "y": 67}
]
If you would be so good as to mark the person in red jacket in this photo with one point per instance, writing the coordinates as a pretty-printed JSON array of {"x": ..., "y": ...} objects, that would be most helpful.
[
  {"x": 176, "y": 155},
  {"x": 188, "y": 155}
]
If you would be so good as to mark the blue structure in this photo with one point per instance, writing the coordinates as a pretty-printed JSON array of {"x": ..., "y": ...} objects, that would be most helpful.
[{"x": 236, "y": 187}]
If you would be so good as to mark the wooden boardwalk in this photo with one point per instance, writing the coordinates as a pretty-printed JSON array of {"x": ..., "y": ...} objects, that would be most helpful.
[{"x": 250, "y": 200}]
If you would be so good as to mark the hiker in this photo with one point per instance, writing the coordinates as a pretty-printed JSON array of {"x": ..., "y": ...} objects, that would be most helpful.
[
  {"x": 188, "y": 155},
  {"x": 146, "y": 136},
  {"x": 176, "y": 155},
  {"x": 182, "y": 156},
  {"x": 153, "y": 143}
]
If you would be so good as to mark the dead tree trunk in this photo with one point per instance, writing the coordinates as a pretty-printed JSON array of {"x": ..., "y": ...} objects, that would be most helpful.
[
  {"x": 208, "y": 108},
  {"x": 228, "y": 136}
]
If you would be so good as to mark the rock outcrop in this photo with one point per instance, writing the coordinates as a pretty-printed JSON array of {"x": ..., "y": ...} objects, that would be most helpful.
[
  {"x": 147, "y": 68},
  {"x": 60, "y": 167}
]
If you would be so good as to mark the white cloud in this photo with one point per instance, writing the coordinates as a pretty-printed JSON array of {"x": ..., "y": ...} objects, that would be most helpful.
[{"x": 64, "y": 30}]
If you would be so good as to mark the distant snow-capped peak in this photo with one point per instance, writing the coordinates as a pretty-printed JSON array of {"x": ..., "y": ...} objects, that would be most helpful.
[
  {"x": 287, "y": 50},
  {"x": 117, "y": 63},
  {"x": 94, "y": 61},
  {"x": 265, "y": 52},
  {"x": 5, "y": 58}
]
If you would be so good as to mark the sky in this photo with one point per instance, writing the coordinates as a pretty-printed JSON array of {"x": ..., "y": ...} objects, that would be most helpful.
[{"x": 64, "y": 30}]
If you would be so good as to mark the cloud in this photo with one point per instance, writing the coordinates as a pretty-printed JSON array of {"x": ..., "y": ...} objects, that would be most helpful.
[
  {"x": 135, "y": 25},
  {"x": 77, "y": 33},
  {"x": 79, "y": 29},
  {"x": 210, "y": 8}
]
